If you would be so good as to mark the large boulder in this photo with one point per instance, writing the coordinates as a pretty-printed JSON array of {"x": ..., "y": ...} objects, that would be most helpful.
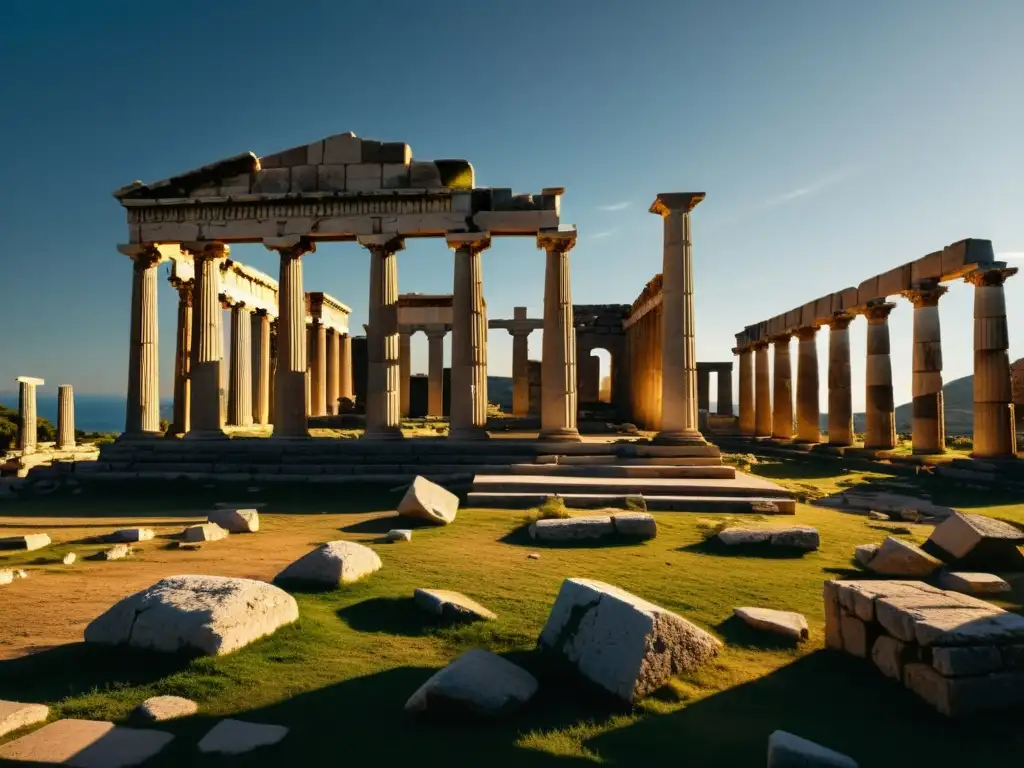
[
  {"x": 236, "y": 520},
  {"x": 450, "y": 605},
  {"x": 213, "y": 615},
  {"x": 977, "y": 540},
  {"x": 334, "y": 563},
  {"x": 623, "y": 643},
  {"x": 786, "y": 623},
  {"x": 901, "y": 558},
  {"x": 204, "y": 532},
  {"x": 429, "y": 501},
  {"x": 479, "y": 682}
]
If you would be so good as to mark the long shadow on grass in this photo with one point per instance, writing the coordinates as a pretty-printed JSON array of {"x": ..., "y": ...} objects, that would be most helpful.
[
  {"x": 831, "y": 698},
  {"x": 735, "y": 631},
  {"x": 712, "y": 546},
  {"x": 520, "y": 537},
  {"x": 390, "y": 615},
  {"x": 385, "y": 523}
]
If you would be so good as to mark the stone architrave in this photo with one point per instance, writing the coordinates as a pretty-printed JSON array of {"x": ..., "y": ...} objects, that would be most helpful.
[
  {"x": 332, "y": 371},
  {"x": 65, "y": 418},
  {"x": 405, "y": 370},
  {"x": 181, "y": 420},
  {"x": 558, "y": 363},
  {"x": 290, "y": 377},
  {"x": 678, "y": 357},
  {"x": 840, "y": 392},
  {"x": 240, "y": 377},
  {"x": 382, "y": 366},
  {"x": 142, "y": 412},
  {"x": 808, "y": 414},
  {"x": 318, "y": 369},
  {"x": 782, "y": 385},
  {"x": 746, "y": 375},
  {"x": 762, "y": 391},
  {"x": 261, "y": 367},
  {"x": 994, "y": 433},
  {"x": 28, "y": 426},
  {"x": 345, "y": 368},
  {"x": 435, "y": 369},
  {"x": 207, "y": 342},
  {"x": 469, "y": 340},
  {"x": 928, "y": 424},
  {"x": 880, "y": 411}
]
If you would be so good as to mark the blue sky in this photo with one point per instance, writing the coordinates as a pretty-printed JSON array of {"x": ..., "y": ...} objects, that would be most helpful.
[{"x": 834, "y": 141}]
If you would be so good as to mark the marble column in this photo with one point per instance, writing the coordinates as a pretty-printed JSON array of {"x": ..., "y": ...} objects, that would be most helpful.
[
  {"x": 382, "y": 372},
  {"x": 840, "y": 389},
  {"x": 207, "y": 342},
  {"x": 65, "y": 418},
  {"x": 345, "y": 368},
  {"x": 724, "y": 405},
  {"x": 404, "y": 370},
  {"x": 240, "y": 381},
  {"x": 928, "y": 429},
  {"x": 782, "y": 386},
  {"x": 678, "y": 359},
  {"x": 318, "y": 369},
  {"x": 746, "y": 383},
  {"x": 271, "y": 397},
  {"x": 28, "y": 426},
  {"x": 558, "y": 355},
  {"x": 142, "y": 413},
  {"x": 260, "y": 367},
  {"x": 880, "y": 412},
  {"x": 290, "y": 376},
  {"x": 435, "y": 370},
  {"x": 469, "y": 341},
  {"x": 181, "y": 421},
  {"x": 520, "y": 370},
  {"x": 762, "y": 391},
  {"x": 994, "y": 433},
  {"x": 808, "y": 390},
  {"x": 332, "y": 371}
]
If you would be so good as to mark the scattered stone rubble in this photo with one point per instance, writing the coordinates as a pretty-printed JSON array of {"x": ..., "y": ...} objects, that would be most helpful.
[
  {"x": 626, "y": 525},
  {"x": 797, "y": 537},
  {"x": 430, "y": 502},
  {"x": 451, "y": 605},
  {"x": 479, "y": 682},
  {"x": 334, "y": 563}
]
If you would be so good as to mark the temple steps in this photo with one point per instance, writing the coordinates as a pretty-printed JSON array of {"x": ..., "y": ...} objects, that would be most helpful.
[
  {"x": 563, "y": 485},
  {"x": 636, "y": 470},
  {"x": 708, "y": 504}
]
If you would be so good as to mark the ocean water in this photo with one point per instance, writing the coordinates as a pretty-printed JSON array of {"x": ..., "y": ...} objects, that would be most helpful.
[{"x": 93, "y": 413}]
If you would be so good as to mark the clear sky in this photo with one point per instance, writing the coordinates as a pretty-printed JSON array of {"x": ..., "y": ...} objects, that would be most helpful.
[{"x": 834, "y": 141}]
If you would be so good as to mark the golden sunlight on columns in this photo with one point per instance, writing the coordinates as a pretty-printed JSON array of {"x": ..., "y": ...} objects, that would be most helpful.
[
  {"x": 382, "y": 366},
  {"x": 762, "y": 391},
  {"x": 782, "y": 386},
  {"x": 929, "y": 422},
  {"x": 808, "y": 412},
  {"x": 558, "y": 364},
  {"x": 207, "y": 342},
  {"x": 880, "y": 416},
  {"x": 469, "y": 342},
  {"x": 840, "y": 388}
]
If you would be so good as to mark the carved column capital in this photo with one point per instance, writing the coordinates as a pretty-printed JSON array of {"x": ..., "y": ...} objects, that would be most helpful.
[
  {"x": 204, "y": 250},
  {"x": 381, "y": 244},
  {"x": 991, "y": 276},
  {"x": 781, "y": 338},
  {"x": 840, "y": 321},
  {"x": 806, "y": 333},
  {"x": 290, "y": 247},
  {"x": 757, "y": 346},
  {"x": 557, "y": 241},
  {"x": 878, "y": 313},
  {"x": 475, "y": 242},
  {"x": 925, "y": 295}
]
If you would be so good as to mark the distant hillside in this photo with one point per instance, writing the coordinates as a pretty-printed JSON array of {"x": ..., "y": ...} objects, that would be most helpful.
[
  {"x": 958, "y": 401},
  {"x": 499, "y": 390}
]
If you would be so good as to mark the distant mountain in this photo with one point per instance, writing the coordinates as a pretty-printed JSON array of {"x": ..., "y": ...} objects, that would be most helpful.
[{"x": 958, "y": 402}]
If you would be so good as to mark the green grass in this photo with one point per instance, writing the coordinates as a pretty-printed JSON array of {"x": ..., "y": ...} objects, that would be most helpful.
[{"x": 340, "y": 676}]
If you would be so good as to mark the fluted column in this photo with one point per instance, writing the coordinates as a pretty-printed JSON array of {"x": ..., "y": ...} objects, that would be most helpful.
[
  {"x": 183, "y": 359},
  {"x": 520, "y": 372},
  {"x": 65, "y": 418},
  {"x": 345, "y": 368},
  {"x": 808, "y": 410},
  {"x": 994, "y": 433},
  {"x": 142, "y": 412},
  {"x": 404, "y": 370},
  {"x": 260, "y": 355},
  {"x": 207, "y": 342},
  {"x": 840, "y": 389},
  {"x": 762, "y": 391},
  {"x": 469, "y": 341},
  {"x": 332, "y": 371},
  {"x": 318, "y": 369},
  {"x": 290, "y": 377},
  {"x": 28, "y": 426},
  {"x": 746, "y": 375},
  {"x": 782, "y": 385},
  {"x": 435, "y": 370},
  {"x": 678, "y": 359},
  {"x": 382, "y": 374},
  {"x": 928, "y": 426},
  {"x": 273, "y": 370},
  {"x": 558, "y": 356},
  {"x": 880, "y": 412},
  {"x": 240, "y": 368}
]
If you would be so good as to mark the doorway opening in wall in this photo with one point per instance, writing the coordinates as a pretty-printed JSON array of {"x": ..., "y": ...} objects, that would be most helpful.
[{"x": 602, "y": 371}]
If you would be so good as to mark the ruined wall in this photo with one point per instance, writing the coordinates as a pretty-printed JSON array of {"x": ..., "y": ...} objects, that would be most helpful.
[
  {"x": 643, "y": 355},
  {"x": 1017, "y": 381},
  {"x": 599, "y": 326}
]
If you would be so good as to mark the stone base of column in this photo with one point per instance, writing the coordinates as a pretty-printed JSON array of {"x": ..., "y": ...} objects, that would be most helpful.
[
  {"x": 997, "y": 438},
  {"x": 560, "y": 435},
  {"x": 383, "y": 433},
  {"x": 679, "y": 438}
]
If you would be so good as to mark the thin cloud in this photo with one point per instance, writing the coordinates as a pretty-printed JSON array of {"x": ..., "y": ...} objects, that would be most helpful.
[
  {"x": 615, "y": 206},
  {"x": 601, "y": 235},
  {"x": 813, "y": 188},
  {"x": 1010, "y": 256}
]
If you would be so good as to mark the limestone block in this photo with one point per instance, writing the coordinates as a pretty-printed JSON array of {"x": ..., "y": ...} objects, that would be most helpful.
[
  {"x": 315, "y": 153},
  {"x": 6, "y": 576},
  {"x": 399, "y": 534},
  {"x": 29, "y": 542},
  {"x": 786, "y": 750},
  {"x": 638, "y": 525},
  {"x": 204, "y": 532},
  {"x": 856, "y": 639},
  {"x": 272, "y": 181},
  {"x": 395, "y": 176},
  {"x": 428, "y": 501},
  {"x": 515, "y": 222},
  {"x": 450, "y": 605},
  {"x": 626, "y": 645},
  {"x": 970, "y": 628},
  {"x": 920, "y": 618},
  {"x": 334, "y": 563},
  {"x": 845, "y": 299},
  {"x": 974, "y": 660},
  {"x": 234, "y": 185},
  {"x": 385, "y": 152},
  {"x": 15, "y": 715},
  {"x": 157, "y": 709},
  {"x": 823, "y": 309},
  {"x": 956, "y": 697},
  {"x": 895, "y": 281},
  {"x": 364, "y": 177},
  {"x": 116, "y": 552},
  {"x": 743, "y": 536},
  {"x": 305, "y": 178},
  {"x": 926, "y": 268},
  {"x": 889, "y": 655},
  {"x": 833, "y": 617},
  {"x": 330, "y": 178},
  {"x": 858, "y": 597},
  {"x": 214, "y": 615},
  {"x": 808, "y": 314},
  {"x": 424, "y": 176},
  {"x": 961, "y": 534},
  {"x": 342, "y": 149},
  {"x": 131, "y": 535},
  {"x": 868, "y": 290},
  {"x": 965, "y": 253},
  {"x": 236, "y": 520},
  {"x": 285, "y": 159},
  {"x": 865, "y": 553},
  {"x": 973, "y": 583},
  {"x": 234, "y": 737},
  {"x": 802, "y": 537},
  {"x": 572, "y": 528},
  {"x": 901, "y": 558},
  {"x": 479, "y": 681},
  {"x": 86, "y": 743},
  {"x": 785, "y": 623}
]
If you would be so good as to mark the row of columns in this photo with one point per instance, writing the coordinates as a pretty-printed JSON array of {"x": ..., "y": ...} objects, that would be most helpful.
[
  {"x": 435, "y": 367},
  {"x": 28, "y": 419},
  {"x": 330, "y": 369},
  {"x": 765, "y": 413}
]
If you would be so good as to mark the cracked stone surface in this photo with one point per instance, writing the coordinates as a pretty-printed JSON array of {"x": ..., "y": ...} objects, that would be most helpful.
[
  {"x": 479, "y": 681},
  {"x": 334, "y": 563},
  {"x": 572, "y": 528},
  {"x": 213, "y": 615},
  {"x": 801, "y": 537}
]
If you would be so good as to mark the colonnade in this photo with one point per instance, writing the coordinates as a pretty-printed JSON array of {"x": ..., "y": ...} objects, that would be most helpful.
[{"x": 435, "y": 333}]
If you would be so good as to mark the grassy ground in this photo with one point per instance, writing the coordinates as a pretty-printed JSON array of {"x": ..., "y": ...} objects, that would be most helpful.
[{"x": 340, "y": 676}]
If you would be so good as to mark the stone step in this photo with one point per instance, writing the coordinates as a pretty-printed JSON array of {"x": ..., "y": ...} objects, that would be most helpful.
[
  {"x": 741, "y": 485},
  {"x": 623, "y": 470},
  {"x": 706, "y": 504},
  {"x": 648, "y": 461}
]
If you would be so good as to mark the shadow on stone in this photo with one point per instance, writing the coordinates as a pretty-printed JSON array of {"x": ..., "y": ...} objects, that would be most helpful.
[
  {"x": 712, "y": 546},
  {"x": 520, "y": 537},
  {"x": 737, "y": 632}
]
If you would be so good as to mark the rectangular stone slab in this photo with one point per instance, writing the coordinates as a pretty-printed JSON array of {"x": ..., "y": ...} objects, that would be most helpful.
[
  {"x": 86, "y": 744},
  {"x": 903, "y": 616},
  {"x": 15, "y": 715},
  {"x": 858, "y": 597}
]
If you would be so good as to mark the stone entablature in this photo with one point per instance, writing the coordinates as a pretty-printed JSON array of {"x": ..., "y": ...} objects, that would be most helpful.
[
  {"x": 327, "y": 311},
  {"x": 418, "y": 311}
]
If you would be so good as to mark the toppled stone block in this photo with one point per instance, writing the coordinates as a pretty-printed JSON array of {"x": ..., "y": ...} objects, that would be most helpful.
[
  {"x": 236, "y": 520},
  {"x": 131, "y": 535},
  {"x": 429, "y": 501},
  {"x": 979, "y": 540},
  {"x": 971, "y": 583},
  {"x": 334, "y": 563},
  {"x": 234, "y": 737},
  {"x": 901, "y": 558},
  {"x": 157, "y": 709},
  {"x": 204, "y": 532},
  {"x": 15, "y": 715},
  {"x": 865, "y": 553},
  {"x": 803, "y": 538},
  {"x": 786, "y": 623},
  {"x": 572, "y": 528},
  {"x": 29, "y": 542},
  {"x": 956, "y": 697},
  {"x": 786, "y": 750},
  {"x": 971, "y": 660},
  {"x": 450, "y": 605},
  {"x": 636, "y": 525},
  {"x": 86, "y": 743},
  {"x": 399, "y": 534},
  {"x": 478, "y": 681},
  {"x": 623, "y": 643}
]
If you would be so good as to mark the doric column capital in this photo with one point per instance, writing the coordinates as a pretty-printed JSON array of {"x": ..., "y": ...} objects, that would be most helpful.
[
  {"x": 878, "y": 313},
  {"x": 990, "y": 276},
  {"x": 472, "y": 241},
  {"x": 759, "y": 345},
  {"x": 925, "y": 294},
  {"x": 204, "y": 250},
  {"x": 557, "y": 240},
  {"x": 183, "y": 287},
  {"x": 666, "y": 202},
  {"x": 515, "y": 332},
  {"x": 381, "y": 244},
  {"x": 144, "y": 256},
  {"x": 806, "y": 333},
  {"x": 840, "y": 321},
  {"x": 435, "y": 331},
  {"x": 291, "y": 246},
  {"x": 780, "y": 338}
]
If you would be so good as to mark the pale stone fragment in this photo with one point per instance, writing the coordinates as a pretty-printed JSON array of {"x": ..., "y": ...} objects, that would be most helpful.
[
  {"x": 623, "y": 643},
  {"x": 86, "y": 744},
  {"x": 961, "y": 534},
  {"x": 6, "y": 576},
  {"x": 69, "y": 558},
  {"x": 157, "y": 709},
  {"x": 855, "y": 636},
  {"x": 214, "y": 615},
  {"x": 973, "y": 583},
  {"x": 204, "y": 532},
  {"x": 479, "y": 681},
  {"x": 399, "y": 534},
  {"x": 786, "y": 623},
  {"x": 786, "y": 750},
  {"x": 116, "y": 552},
  {"x": 449, "y": 604},
  {"x": 970, "y": 660},
  {"x": 15, "y": 715},
  {"x": 428, "y": 501},
  {"x": 236, "y": 520},
  {"x": 888, "y": 653},
  {"x": 29, "y": 542},
  {"x": 334, "y": 563},
  {"x": 865, "y": 553},
  {"x": 874, "y": 515},
  {"x": 131, "y": 535},
  {"x": 234, "y": 737},
  {"x": 639, "y": 525},
  {"x": 572, "y": 528},
  {"x": 533, "y": 556},
  {"x": 901, "y": 558}
]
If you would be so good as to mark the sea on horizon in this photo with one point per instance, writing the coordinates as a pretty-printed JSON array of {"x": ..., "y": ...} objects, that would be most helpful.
[{"x": 93, "y": 413}]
